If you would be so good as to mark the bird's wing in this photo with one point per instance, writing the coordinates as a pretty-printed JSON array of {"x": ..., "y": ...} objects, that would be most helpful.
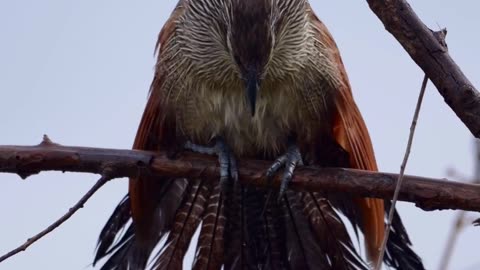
[
  {"x": 151, "y": 202},
  {"x": 159, "y": 207},
  {"x": 350, "y": 132},
  {"x": 155, "y": 132}
]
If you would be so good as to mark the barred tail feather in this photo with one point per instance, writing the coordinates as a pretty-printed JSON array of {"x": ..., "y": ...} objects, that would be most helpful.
[
  {"x": 187, "y": 219},
  {"x": 303, "y": 250},
  {"x": 399, "y": 253},
  {"x": 209, "y": 253},
  {"x": 331, "y": 233}
]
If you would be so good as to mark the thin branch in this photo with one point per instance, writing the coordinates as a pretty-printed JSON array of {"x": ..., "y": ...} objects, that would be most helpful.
[
  {"x": 431, "y": 55},
  {"x": 428, "y": 194},
  {"x": 461, "y": 219},
  {"x": 451, "y": 240},
  {"x": 402, "y": 171},
  {"x": 60, "y": 221}
]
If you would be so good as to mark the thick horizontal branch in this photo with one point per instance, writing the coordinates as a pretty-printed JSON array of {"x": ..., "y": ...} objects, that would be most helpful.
[
  {"x": 430, "y": 53},
  {"x": 428, "y": 194}
]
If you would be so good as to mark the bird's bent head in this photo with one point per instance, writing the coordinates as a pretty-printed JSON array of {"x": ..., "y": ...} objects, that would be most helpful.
[
  {"x": 251, "y": 42},
  {"x": 249, "y": 39}
]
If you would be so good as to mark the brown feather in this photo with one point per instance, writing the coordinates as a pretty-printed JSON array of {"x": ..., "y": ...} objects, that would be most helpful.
[
  {"x": 351, "y": 133},
  {"x": 198, "y": 94},
  {"x": 187, "y": 219},
  {"x": 276, "y": 254},
  {"x": 331, "y": 233},
  {"x": 209, "y": 254},
  {"x": 303, "y": 250},
  {"x": 154, "y": 133}
]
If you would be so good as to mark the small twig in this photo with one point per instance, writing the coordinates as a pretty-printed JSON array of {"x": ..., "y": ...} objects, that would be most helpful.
[
  {"x": 402, "y": 171},
  {"x": 451, "y": 240},
  {"x": 461, "y": 219},
  {"x": 105, "y": 177}
]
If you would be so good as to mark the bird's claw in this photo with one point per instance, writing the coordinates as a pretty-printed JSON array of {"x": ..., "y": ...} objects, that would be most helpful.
[
  {"x": 289, "y": 160},
  {"x": 226, "y": 159}
]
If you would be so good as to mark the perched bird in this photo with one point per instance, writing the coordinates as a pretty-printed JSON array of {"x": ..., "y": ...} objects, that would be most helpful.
[{"x": 258, "y": 79}]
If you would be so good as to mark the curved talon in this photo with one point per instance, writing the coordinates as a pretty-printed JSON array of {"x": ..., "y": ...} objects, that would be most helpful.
[
  {"x": 279, "y": 162},
  {"x": 290, "y": 160},
  {"x": 226, "y": 159}
]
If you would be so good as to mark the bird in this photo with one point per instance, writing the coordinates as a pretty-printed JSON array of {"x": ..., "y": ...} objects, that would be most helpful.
[{"x": 250, "y": 79}]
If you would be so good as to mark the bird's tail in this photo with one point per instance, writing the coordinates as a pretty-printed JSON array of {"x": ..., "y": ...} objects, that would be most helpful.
[{"x": 301, "y": 231}]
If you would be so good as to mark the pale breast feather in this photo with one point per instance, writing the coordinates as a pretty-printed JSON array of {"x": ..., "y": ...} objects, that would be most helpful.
[{"x": 212, "y": 110}]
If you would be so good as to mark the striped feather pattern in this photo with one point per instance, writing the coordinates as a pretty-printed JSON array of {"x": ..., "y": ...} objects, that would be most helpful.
[
  {"x": 187, "y": 219},
  {"x": 209, "y": 253},
  {"x": 197, "y": 94}
]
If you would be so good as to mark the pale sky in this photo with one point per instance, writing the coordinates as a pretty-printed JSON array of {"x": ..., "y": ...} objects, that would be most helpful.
[{"x": 79, "y": 71}]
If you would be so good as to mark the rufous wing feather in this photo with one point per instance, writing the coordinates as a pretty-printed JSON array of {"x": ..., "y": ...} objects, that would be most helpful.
[
  {"x": 155, "y": 132},
  {"x": 350, "y": 132}
]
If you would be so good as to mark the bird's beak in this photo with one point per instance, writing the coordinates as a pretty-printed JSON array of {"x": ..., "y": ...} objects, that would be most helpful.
[{"x": 252, "y": 85}]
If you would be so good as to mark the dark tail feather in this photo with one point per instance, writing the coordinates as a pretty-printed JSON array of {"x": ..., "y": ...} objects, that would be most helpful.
[
  {"x": 235, "y": 234},
  {"x": 345, "y": 204},
  {"x": 331, "y": 233},
  {"x": 209, "y": 254},
  {"x": 121, "y": 249},
  {"x": 127, "y": 253},
  {"x": 130, "y": 252},
  {"x": 187, "y": 219},
  {"x": 118, "y": 260},
  {"x": 399, "y": 253},
  {"x": 256, "y": 238},
  {"x": 275, "y": 231},
  {"x": 302, "y": 248},
  {"x": 170, "y": 201},
  {"x": 116, "y": 222},
  {"x": 303, "y": 231}
]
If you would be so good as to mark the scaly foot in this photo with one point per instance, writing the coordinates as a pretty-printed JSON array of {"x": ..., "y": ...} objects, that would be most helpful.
[
  {"x": 289, "y": 160},
  {"x": 228, "y": 163}
]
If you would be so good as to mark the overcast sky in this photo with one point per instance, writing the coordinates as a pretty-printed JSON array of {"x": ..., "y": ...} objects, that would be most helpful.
[{"x": 79, "y": 71}]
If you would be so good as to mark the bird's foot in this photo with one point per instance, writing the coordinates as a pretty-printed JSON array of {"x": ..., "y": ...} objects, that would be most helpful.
[
  {"x": 226, "y": 159},
  {"x": 289, "y": 160}
]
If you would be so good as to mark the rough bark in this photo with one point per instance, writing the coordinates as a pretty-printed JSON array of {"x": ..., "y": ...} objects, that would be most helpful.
[
  {"x": 428, "y": 49},
  {"x": 426, "y": 193}
]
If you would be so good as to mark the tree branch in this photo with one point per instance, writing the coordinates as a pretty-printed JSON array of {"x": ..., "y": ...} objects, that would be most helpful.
[
  {"x": 430, "y": 53},
  {"x": 428, "y": 194},
  {"x": 103, "y": 179}
]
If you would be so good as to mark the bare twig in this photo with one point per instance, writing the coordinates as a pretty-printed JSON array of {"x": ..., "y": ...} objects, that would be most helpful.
[
  {"x": 431, "y": 55},
  {"x": 428, "y": 194},
  {"x": 402, "y": 171},
  {"x": 460, "y": 219},
  {"x": 60, "y": 221},
  {"x": 451, "y": 240}
]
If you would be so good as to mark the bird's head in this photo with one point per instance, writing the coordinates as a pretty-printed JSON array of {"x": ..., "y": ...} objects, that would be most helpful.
[
  {"x": 250, "y": 39},
  {"x": 251, "y": 42},
  {"x": 266, "y": 38}
]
